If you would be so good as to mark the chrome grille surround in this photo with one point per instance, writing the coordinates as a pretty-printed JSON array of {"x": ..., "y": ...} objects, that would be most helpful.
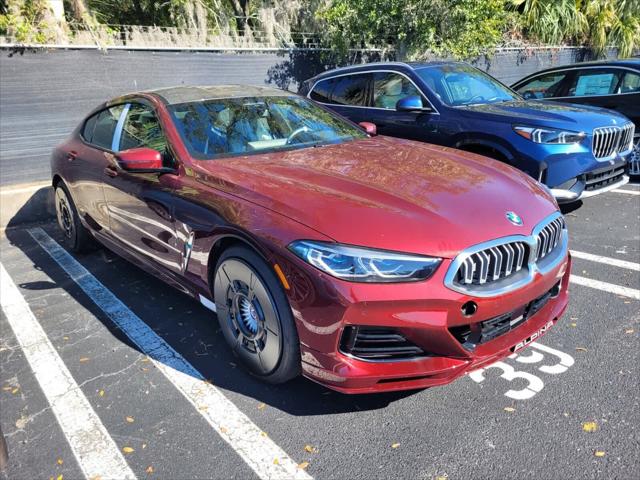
[
  {"x": 609, "y": 141},
  {"x": 506, "y": 264}
]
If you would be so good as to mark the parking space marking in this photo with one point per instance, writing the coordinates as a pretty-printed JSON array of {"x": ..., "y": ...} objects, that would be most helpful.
[
  {"x": 606, "y": 287},
  {"x": 606, "y": 260},
  {"x": 534, "y": 383},
  {"x": 266, "y": 458},
  {"x": 630, "y": 192},
  {"x": 97, "y": 454}
]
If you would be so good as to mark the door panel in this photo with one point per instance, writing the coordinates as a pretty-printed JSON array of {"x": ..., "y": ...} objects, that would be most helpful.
[
  {"x": 86, "y": 163},
  {"x": 387, "y": 89},
  {"x": 141, "y": 204}
]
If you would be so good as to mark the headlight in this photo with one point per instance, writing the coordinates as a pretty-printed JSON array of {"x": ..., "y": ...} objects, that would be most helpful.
[
  {"x": 547, "y": 135},
  {"x": 364, "y": 265}
]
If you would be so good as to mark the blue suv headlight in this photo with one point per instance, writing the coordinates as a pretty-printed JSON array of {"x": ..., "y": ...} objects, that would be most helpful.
[{"x": 548, "y": 135}]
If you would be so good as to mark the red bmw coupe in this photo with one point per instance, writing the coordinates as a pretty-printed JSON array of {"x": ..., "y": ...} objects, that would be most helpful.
[{"x": 364, "y": 263}]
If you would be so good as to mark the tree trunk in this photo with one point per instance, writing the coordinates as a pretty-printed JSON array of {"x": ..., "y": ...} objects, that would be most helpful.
[{"x": 241, "y": 12}]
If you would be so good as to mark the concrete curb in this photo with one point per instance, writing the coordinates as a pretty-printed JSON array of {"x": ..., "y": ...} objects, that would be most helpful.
[{"x": 26, "y": 203}]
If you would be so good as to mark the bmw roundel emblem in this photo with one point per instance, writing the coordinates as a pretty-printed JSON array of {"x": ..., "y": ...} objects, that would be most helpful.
[{"x": 514, "y": 218}]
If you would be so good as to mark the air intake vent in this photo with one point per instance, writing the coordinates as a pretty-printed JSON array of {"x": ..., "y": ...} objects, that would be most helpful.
[
  {"x": 493, "y": 264},
  {"x": 377, "y": 343}
]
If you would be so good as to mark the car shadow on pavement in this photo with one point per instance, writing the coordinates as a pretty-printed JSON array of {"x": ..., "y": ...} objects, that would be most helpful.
[{"x": 187, "y": 327}]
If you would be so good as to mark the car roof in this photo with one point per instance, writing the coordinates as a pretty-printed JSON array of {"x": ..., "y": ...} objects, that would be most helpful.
[
  {"x": 193, "y": 93},
  {"x": 383, "y": 66},
  {"x": 633, "y": 63}
]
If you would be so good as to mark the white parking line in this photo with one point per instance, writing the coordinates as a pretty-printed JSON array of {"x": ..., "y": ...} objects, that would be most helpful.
[
  {"x": 96, "y": 452},
  {"x": 606, "y": 260},
  {"x": 630, "y": 192},
  {"x": 266, "y": 458},
  {"x": 606, "y": 287}
]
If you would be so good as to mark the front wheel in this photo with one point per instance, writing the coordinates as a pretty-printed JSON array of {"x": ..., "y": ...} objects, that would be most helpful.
[{"x": 255, "y": 317}]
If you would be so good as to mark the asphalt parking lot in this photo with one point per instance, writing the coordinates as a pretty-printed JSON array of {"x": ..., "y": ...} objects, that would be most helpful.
[{"x": 157, "y": 394}]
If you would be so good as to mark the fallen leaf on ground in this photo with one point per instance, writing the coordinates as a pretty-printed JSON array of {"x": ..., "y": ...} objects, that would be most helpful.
[
  {"x": 395, "y": 445},
  {"x": 59, "y": 461},
  {"x": 581, "y": 349},
  {"x": 129, "y": 419},
  {"x": 15, "y": 390},
  {"x": 310, "y": 449},
  {"x": 442, "y": 477},
  {"x": 261, "y": 406},
  {"x": 101, "y": 393},
  {"x": 128, "y": 450},
  {"x": 84, "y": 359},
  {"x": 65, "y": 338},
  {"x": 509, "y": 409},
  {"x": 144, "y": 445},
  {"x": 264, "y": 434},
  {"x": 303, "y": 465},
  {"x": 7, "y": 388},
  {"x": 276, "y": 461},
  {"x": 630, "y": 330},
  {"x": 589, "y": 426},
  {"x": 599, "y": 453},
  {"x": 223, "y": 430},
  {"x": 149, "y": 469},
  {"x": 573, "y": 324},
  {"x": 59, "y": 477}
]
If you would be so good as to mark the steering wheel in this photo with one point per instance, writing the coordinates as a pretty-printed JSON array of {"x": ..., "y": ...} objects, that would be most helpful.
[
  {"x": 475, "y": 97},
  {"x": 295, "y": 133}
]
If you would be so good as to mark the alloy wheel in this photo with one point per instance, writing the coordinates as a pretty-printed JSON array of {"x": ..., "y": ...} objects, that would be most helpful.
[
  {"x": 250, "y": 315},
  {"x": 64, "y": 214}
]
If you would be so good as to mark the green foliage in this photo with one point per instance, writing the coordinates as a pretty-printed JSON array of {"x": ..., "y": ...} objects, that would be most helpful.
[
  {"x": 462, "y": 28},
  {"x": 27, "y": 21},
  {"x": 595, "y": 23}
]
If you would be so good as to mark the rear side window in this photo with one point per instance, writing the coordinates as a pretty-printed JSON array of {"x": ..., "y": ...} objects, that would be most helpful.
[
  {"x": 594, "y": 82},
  {"x": 142, "y": 129},
  {"x": 544, "y": 86},
  {"x": 98, "y": 129},
  {"x": 322, "y": 91},
  {"x": 350, "y": 90}
]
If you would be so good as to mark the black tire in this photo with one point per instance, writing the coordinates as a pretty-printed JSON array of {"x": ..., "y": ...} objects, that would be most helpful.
[
  {"x": 255, "y": 316},
  {"x": 76, "y": 237}
]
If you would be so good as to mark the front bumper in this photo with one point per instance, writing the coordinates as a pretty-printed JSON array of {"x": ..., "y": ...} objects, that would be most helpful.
[
  {"x": 594, "y": 182},
  {"x": 430, "y": 323}
]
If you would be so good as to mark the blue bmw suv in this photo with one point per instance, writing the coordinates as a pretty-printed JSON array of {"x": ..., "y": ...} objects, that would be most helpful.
[{"x": 577, "y": 151}]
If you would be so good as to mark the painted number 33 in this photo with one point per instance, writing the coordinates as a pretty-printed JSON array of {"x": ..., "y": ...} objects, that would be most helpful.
[{"x": 534, "y": 384}]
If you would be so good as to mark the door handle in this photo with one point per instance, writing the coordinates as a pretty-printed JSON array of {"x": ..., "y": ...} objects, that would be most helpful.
[
  {"x": 72, "y": 155},
  {"x": 111, "y": 171}
]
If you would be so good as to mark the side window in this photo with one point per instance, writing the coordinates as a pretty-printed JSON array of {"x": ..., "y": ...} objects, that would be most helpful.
[
  {"x": 142, "y": 129},
  {"x": 630, "y": 83},
  {"x": 89, "y": 127},
  {"x": 350, "y": 90},
  {"x": 544, "y": 86},
  {"x": 98, "y": 130},
  {"x": 388, "y": 88},
  {"x": 322, "y": 91},
  {"x": 593, "y": 82}
]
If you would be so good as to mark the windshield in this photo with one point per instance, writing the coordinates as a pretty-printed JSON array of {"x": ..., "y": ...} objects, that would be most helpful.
[
  {"x": 458, "y": 85},
  {"x": 248, "y": 125}
]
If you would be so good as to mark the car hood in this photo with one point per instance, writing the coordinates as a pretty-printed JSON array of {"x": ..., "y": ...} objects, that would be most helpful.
[
  {"x": 387, "y": 193},
  {"x": 546, "y": 113}
]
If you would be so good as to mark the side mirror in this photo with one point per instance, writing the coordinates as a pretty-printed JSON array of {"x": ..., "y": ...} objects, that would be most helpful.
[
  {"x": 410, "y": 104},
  {"x": 140, "y": 159},
  {"x": 370, "y": 128}
]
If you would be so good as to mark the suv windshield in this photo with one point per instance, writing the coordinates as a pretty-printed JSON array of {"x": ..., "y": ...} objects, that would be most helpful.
[
  {"x": 458, "y": 85},
  {"x": 241, "y": 126}
]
